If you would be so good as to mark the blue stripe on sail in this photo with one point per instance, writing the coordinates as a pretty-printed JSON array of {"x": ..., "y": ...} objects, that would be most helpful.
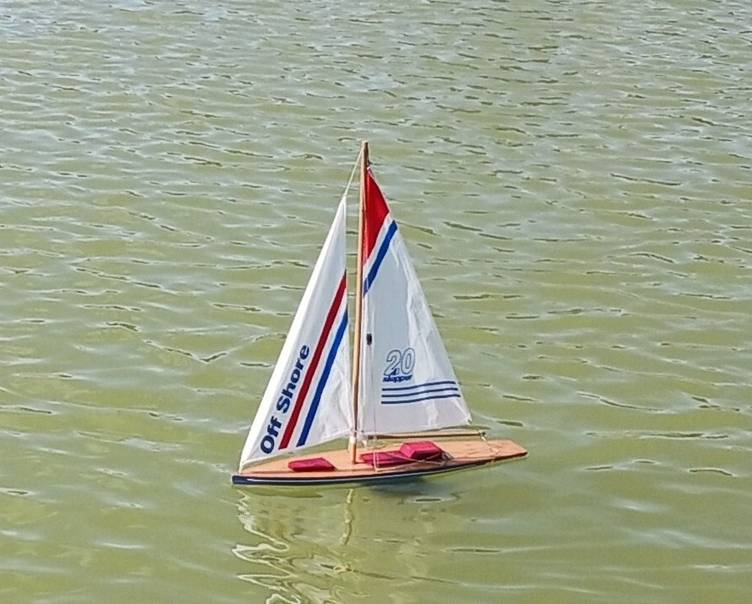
[
  {"x": 341, "y": 330},
  {"x": 394, "y": 396},
  {"x": 417, "y": 400},
  {"x": 418, "y": 386},
  {"x": 379, "y": 257}
]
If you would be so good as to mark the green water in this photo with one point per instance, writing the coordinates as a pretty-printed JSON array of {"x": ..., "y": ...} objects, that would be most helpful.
[{"x": 574, "y": 180}]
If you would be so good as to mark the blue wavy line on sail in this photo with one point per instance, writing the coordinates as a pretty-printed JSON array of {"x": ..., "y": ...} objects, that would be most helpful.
[
  {"x": 418, "y": 386},
  {"x": 341, "y": 330},
  {"x": 417, "y": 400},
  {"x": 394, "y": 396},
  {"x": 379, "y": 257}
]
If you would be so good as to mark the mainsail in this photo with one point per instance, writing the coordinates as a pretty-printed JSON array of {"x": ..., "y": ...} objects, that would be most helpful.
[
  {"x": 307, "y": 400},
  {"x": 407, "y": 380}
]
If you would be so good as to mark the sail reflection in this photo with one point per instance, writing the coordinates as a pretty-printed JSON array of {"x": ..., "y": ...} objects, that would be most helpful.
[{"x": 332, "y": 545}]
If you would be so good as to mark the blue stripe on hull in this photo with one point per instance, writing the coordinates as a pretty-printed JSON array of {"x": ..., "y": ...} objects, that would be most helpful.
[{"x": 240, "y": 480}]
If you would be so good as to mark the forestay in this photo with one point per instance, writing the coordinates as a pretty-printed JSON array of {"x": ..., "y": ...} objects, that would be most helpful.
[
  {"x": 307, "y": 400},
  {"x": 407, "y": 380}
]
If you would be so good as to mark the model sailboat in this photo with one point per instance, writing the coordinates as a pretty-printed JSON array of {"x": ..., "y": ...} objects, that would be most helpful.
[{"x": 401, "y": 383}]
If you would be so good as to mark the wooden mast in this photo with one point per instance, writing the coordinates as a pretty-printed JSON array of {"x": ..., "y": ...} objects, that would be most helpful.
[{"x": 358, "y": 303}]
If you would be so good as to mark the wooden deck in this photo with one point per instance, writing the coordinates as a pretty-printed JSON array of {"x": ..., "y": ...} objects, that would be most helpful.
[{"x": 460, "y": 454}]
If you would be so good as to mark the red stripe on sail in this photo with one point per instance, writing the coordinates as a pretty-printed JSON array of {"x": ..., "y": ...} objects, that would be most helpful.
[
  {"x": 300, "y": 400},
  {"x": 376, "y": 211}
]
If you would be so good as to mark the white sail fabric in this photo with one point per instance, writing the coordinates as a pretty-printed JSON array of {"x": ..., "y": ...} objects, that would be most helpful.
[
  {"x": 308, "y": 399},
  {"x": 408, "y": 383}
]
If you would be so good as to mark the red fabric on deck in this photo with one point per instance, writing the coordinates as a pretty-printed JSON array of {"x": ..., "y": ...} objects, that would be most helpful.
[
  {"x": 314, "y": 464},
  {"x": 384, "y": 459},
  {"x": 424, "y": 450}
]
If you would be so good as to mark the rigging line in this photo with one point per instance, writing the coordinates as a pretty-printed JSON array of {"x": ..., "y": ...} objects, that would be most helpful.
[{"x": 352, "y": 175}]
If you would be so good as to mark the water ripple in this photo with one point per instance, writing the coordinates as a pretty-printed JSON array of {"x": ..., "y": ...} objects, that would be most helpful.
[{"x": 573, "y": 181}]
